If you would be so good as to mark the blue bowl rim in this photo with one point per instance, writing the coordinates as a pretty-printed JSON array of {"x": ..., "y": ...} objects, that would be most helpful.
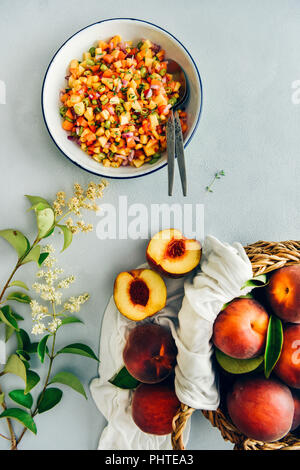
[{"x": 116, "y": 19}]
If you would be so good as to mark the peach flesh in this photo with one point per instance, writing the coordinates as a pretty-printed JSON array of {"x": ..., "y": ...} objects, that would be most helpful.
[
  {"x": 262, "y": 409},
  {"x": 173, "y": 255},
  {"x": 288, "y": 365},
  {"x": 150, "y": 353},
  {"x": 240, "y": 329},
  {"x": 139, "y": 293},
  {"x": 154, "y": 406}
]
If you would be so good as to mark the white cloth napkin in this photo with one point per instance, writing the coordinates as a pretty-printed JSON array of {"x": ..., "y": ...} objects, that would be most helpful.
[{"x": 224, "y": 270}]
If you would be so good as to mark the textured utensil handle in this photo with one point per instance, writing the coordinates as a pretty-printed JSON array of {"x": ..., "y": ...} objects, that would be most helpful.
[
  {"x": 171, "y": 151},
  {"x": 179, "y": 150}
]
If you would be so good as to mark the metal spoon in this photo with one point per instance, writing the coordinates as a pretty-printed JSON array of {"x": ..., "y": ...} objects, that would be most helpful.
[{"x": 174, "y": 133}]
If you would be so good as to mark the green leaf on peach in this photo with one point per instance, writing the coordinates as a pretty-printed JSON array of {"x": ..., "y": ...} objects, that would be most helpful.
[
  {"x": 237, "y": 366},
  {"x": 123, "y": 379},
  {"x": 274, "y": 344}
]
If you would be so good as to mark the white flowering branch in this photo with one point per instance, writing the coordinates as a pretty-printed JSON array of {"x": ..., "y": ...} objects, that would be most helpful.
[{"x": 46, "y": 317}]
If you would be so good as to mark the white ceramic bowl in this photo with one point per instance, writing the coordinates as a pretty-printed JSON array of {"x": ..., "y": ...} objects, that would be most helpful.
[{"x": 130, "y": 30}]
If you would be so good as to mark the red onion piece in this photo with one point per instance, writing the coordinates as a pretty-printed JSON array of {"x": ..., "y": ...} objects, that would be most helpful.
[{"x": 127, "y": 134}]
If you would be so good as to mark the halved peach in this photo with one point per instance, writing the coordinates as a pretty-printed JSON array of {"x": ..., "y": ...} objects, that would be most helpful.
[
  {"x": 173, "y": 255},
  {"x": 139, "y": 293}
]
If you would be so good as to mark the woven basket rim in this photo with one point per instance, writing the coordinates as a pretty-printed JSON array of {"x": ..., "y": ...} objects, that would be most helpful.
[{"x": 265, "y": 257}]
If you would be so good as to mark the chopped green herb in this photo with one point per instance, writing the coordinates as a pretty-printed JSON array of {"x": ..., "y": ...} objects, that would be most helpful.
[{"x": 92, "y": 51}]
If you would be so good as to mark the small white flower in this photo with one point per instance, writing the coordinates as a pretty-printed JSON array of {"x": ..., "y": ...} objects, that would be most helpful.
[
  {"x": 74, "y": 303},
  {"x": 38, "y": 329},
  {"x": 52, "y": 326},
  {"x": 47, "y": 249},
  {"x": 65, "y": 283}
]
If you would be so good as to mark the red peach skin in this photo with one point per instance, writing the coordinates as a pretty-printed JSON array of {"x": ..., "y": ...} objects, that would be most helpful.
[
  {"x": 283, "y": 292},
  {"x": 296, "y": 420},
  {"x": 240, "y": 329},
  {"x": 150, "y": 353},
  {"x": 262, "y": 409},
  {"x": 154, "y": 406},
  {"x": 288, "y": 365}
]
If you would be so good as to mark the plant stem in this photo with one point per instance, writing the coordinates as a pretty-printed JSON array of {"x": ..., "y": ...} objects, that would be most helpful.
[
  {"x": 19, "y": 263},
  {"x": 10, "y": 428},
  {"x": 35, "y": 411},
  {"x": 9, "y": 279}
]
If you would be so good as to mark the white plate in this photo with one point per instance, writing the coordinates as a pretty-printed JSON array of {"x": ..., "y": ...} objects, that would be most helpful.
[{"x": 130, "y": 30}]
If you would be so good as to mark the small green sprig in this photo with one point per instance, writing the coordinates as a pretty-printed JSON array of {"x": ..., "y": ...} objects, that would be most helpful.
[{"x": 217, "y": 176}]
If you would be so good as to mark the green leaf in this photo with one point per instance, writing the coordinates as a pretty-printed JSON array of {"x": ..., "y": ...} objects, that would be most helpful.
[
  {"x": 19, "y": 297},
  {"x": 19, "y": 397},
  {"x": 23, "y": 340},
  {"x": 23, "y": 355},
  {"x": 32, "y": 348},
  {"x": 78, "y": 348},
  {"x": 42, "y": 258},
  {"x": 124, "y": 380},
  {"x": 45, "y": 221},
  {"x": 69, "y": 379},
  {"x": 50, "y": 233},
  {"x": 22, "y": 416},
  {"x": 19, "y": 284},
  {"x": 247, "y": 296},
  {"x": 15, "y": 366},
  {"x": 33, "y": 255},
  {"x": 2, "y": 396},
  {"x": 51, "y": 397},
  {"x": 32, "y": 379},
  {"x": 258, "y": 281},
  {"x": 16, "y": 315},
  {"x": 37, "y": 199},
  {"x": 273, "y": 344},
  {"x": 8, "y": 332},
  {"x": 237, "y": 366},
  {"x": 68, "y": 236},
  {"x": 41, "y": 349},
  {"x": 7, "y": 317},
  {"x": 17, "y": 240},
  {"x": 26, "y": 364},
  {"x": 70, "y": 319}
]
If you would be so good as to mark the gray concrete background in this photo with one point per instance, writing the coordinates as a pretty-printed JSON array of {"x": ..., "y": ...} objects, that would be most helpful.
[{"x": 248, "y": 56}]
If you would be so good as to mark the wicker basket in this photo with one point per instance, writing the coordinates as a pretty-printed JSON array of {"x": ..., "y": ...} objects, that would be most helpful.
[{"x": 265, "y": 257}]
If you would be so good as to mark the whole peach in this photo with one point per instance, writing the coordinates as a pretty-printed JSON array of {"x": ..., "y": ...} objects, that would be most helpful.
[
  {"x": 288, "y": 365},
  {"x": 154, "y": 406},
  {"x": 262, "y": 409},
  {"x": 296, "y": 420},
  {"x": 240, "y": 329},
  {"x": 150, "y": 353},
  {"x": 283, "y": 292}
]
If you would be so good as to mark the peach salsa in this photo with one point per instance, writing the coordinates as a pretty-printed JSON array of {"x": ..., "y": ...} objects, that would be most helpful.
[{"x": 117, "y": 102}]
